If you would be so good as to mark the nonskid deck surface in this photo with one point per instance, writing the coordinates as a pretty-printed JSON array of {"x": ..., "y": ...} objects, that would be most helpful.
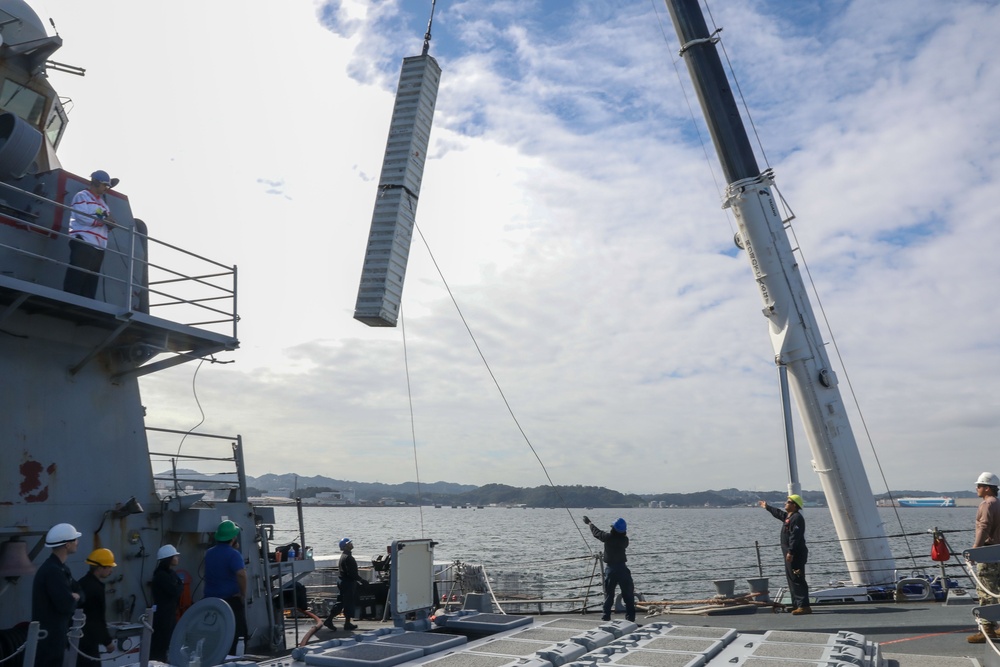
[
  {"x": 907, "y": 635},
  {"x": 900, "y": 629}
]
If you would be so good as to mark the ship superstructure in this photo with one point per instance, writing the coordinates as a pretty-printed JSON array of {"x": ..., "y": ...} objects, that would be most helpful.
[{"x": 75, "y": 445}]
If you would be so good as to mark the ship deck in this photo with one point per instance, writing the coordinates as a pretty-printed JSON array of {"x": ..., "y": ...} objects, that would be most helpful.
[
  {"x": 909, "y": 634},
  {"x": 905, "y": 631}
]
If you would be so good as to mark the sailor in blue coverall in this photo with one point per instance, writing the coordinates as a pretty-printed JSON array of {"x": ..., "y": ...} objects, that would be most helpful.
[{"x": 616, "y": 572}]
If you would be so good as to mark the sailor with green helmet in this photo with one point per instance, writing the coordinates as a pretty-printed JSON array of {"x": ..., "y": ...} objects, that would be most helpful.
[{"x": 226, "y": 576}]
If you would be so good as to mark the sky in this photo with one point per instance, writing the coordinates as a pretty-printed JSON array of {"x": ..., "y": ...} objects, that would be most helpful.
[{"x": 571, "y": 200}]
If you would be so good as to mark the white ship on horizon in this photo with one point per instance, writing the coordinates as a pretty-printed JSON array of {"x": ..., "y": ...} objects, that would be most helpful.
[{"x": 938, "y": 501}]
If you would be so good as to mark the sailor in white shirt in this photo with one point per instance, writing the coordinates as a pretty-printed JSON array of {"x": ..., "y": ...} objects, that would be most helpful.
[{"x": 88, "y": 234}]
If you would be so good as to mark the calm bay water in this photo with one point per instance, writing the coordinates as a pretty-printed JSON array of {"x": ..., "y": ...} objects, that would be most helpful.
[{"x": 673, "y": 553}]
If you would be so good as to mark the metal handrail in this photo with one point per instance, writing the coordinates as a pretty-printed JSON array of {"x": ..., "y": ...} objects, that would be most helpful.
[
  {"x": 235, "y": 476},
  {"x": 197, "y": 285}
]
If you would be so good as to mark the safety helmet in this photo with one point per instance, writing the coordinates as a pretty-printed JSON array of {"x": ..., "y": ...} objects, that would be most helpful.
[
  {"x": 620, "y": 525},
  {"x": 102, "y": 558},
  {"x": 166, "y": 551},
  {"x": 797, "y": 499},
  {"x": 60, "y": 534},
  {"x": 226, "y": 531},
  {"x": 344, "y": 542},
  {"x": 989, "y": 479}
]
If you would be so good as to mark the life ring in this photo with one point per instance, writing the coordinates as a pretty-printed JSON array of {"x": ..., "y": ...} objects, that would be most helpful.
[{"x": 926, "y": 594}]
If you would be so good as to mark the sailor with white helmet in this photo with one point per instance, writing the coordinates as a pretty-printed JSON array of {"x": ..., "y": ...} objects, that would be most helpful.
[
  {"x": 54, "y": 595},
  {"x": 987, "y": 532},
  {"x": 167, "y": 588}
]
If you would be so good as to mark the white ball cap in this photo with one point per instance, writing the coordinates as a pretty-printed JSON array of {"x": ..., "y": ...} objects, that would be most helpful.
[
  {"x": 989, "y": 479},
  {"x": 167, "y": 551}
]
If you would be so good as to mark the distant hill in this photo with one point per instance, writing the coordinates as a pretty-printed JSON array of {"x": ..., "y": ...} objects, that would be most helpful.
[
  {"x": 285, "y": 484},
  {"x": 449, "y": 493}
]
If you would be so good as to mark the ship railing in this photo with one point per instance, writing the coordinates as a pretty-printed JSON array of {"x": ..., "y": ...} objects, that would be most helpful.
[
  {"x": 678, "y": 579},
  {"x": 685, "y": 577},
  {"x": 221, "y": 472},
  {"x": 682, "y": 576},
  {"x": 181, "y": 286}
]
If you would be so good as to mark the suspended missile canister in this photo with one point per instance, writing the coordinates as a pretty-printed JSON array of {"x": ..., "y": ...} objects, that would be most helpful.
[
  {"x": 381, "y": 288},
  {"x": 795, "y": 333}
]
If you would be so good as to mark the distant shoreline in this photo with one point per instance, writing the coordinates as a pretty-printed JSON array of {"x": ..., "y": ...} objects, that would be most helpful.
[{"x": 959, "y": 504}]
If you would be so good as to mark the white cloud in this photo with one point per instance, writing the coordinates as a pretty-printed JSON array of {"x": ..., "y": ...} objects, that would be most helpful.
[{"x": 577, "y": 223}]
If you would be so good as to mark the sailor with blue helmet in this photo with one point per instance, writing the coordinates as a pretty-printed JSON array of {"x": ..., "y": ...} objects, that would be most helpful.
[
  {"x": 616, "y": 572},
  {"x": 347, "y": 583}
]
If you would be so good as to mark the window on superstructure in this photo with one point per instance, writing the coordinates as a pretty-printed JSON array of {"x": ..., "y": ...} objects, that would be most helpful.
[
  {"x": 22, "y": 101},
  {"x": 56, "y": 123}
]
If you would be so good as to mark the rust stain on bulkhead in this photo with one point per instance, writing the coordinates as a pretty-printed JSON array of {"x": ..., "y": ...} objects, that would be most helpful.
[{"x": 34, "y": 486}]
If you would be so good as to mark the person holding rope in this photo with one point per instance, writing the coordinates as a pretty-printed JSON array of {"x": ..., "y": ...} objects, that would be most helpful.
[
  {"x": 987, "y": 532},
  {"x": 794, "y": 550},
  {"x": 616, "y": 572}
]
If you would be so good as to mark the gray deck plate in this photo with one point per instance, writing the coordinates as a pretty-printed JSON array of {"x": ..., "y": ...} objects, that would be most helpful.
[
  {"x": 470, "y": 660},
  {"x": 724, "y": 635},
  {"x": 796, "y": 651},
  {"x": 369, "y": 654},
  {"x": 429, "y": 642},
  {"x": 707, "y": 647},
  {"x": 659, "y": 659},
  {"x": 767, "y": 662},
  {"x": 546, "y": 634},
  {"x": 573, "y": 623},
  {"x": 822, "y": 638},
  {"x": 511, "y": 647},
  {"x": 614, "y": 628},
  {"x": 487, "y": 622}
]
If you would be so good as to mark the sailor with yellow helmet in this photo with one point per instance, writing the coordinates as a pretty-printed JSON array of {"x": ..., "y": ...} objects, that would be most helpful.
[
  {"x": 95, "y": 628},
  {"x": 793, "y": 548}
]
